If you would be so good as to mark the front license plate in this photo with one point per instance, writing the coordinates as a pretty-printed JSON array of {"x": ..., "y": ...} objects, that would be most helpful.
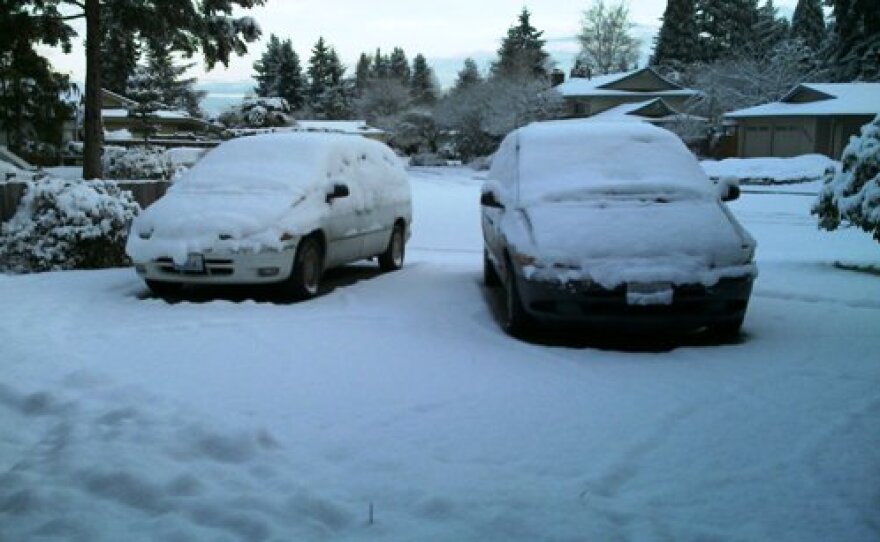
[
  {"x": 649, "y": 293},
  {"x": 195, "y": 263}
]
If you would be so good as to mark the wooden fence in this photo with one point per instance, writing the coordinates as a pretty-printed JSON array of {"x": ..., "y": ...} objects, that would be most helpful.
[{"x": 144, "y": 192}]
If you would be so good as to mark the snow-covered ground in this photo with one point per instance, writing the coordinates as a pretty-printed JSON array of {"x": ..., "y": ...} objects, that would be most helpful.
[{"x": 126, "y": 418}]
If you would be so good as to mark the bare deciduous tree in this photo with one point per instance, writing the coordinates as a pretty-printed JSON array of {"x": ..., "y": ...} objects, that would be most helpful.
[{"x": 606, "y": 43}]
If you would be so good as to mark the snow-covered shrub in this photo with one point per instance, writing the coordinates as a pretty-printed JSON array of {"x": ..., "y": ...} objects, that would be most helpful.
[
  {"x": 851, "y": 193},
  {"x": 136, "y": 163},
  {"x": 257, "y": 113},
  {"x": 68, "y": 224}
]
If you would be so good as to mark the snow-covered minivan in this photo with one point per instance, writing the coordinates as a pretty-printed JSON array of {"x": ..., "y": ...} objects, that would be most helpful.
[
  {"x": 613, "y": 224},
  {"x": 275, "y": 208}
]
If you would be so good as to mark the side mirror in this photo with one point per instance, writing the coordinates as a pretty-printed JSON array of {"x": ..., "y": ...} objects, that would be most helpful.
[
  {"x": 728, "y": 188},
  {"x": 339, "y": 191},
  {"x": 488, "y": 199}
]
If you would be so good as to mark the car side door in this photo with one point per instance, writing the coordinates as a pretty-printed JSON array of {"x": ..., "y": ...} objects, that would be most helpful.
[{"x": 343, "y": 224}]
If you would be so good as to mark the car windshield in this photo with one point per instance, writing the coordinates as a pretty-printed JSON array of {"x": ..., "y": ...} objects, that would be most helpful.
[
  {"x": 288, "y": 163},
  {"x": 563, "y": 165}
]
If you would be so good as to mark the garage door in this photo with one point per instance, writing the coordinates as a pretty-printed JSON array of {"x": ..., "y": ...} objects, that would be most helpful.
[
  {"x": 756, "y": 141},
  {"x": 790, "y": 141}
]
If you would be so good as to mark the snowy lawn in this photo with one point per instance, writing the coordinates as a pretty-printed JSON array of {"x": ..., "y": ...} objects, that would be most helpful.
[{"x": 126, "y": 418}]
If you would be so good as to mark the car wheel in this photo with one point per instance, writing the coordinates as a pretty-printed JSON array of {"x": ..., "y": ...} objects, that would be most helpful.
[
  {"x": 164, "y": 289},
  {"x": 726, "y": 331},
  {"x": 392, "y": 258},
  {"x": 490, "y": 274},
  {"x": 516, "y": 320},
  {"x": 308, "y": 266}
]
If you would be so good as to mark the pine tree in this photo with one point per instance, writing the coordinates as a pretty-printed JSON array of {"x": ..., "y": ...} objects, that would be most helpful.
[
  {"x": 120, "y": 52},
  {"x": 328, "y": 96},
  {"x": 362, "y": 73},
  {"x": 856, "y": 51},
  {"x": 398, "y": 66},
  {"x": 290, "y": 82},
  {"x": 768, "y": 29},
  {"x": 267, "y": 68},
  {"x": 678, "y": 41},
  {"x": 32, "y": 111},
  {"x": 849, "y": 195},
  {"x": 725, "y": 26},
  {"x": 522, "y": 51},
  {"x": 279, "y": 73},
  {"x": 469, "y": 76},
  {"x": 161, "y": 82},
  {"x": 319, "y": 70},
  {"x": 422, "y": 88},
  {"x": 808, "y": 23}
]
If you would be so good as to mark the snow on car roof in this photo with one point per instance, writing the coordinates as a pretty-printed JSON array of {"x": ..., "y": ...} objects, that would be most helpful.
[
  {"x": 288, "y": 162},
  {"x": 577, "y": 157}
]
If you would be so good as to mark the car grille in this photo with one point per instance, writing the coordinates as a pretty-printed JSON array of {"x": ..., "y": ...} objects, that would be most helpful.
[{"x": 213, "y": 268}]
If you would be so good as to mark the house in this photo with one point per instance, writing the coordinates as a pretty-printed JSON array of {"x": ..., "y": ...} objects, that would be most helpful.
[
  {"x": 171, "y": 126},
  {"x": 348, "y": 127},
  {"x": 813, "y": 118},
  {"x": 656, "y": 111},
  {"x": 590, "y": 96}
]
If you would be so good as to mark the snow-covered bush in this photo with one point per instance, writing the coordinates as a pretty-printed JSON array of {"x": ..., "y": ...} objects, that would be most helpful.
[
  {"x": 67, "y": 224},
  {"x": 136, "y": 163},
  {"x": 851, "y": 193},
  {"x": 257, "y": 113}
]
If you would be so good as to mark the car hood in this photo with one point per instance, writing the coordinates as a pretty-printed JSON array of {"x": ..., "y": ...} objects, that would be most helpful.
[
  {"x": 182, "y": 222},
  {"x": 638, "y": 239}
]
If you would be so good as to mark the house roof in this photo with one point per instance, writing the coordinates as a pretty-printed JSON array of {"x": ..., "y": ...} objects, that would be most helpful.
[
  {"x": 654, "y": 110},
  {"x": 119, "y": 97},
  {"x": 118, "y": 113},
  {"x": 336, "y": 126},
  {"x": 820, "y": 99},
  {"x": 615, "y": 85}
]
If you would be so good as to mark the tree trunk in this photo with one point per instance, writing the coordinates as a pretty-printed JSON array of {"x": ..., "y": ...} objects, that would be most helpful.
[{"x": 93, "y": 131}]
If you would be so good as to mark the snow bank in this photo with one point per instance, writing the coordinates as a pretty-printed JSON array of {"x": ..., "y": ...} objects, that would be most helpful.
[
  {"x": 567, "y": 159},
  {"x": 253, "y": 190},
  {"x": 799, "y": 169},
  {"x": 185, "y": 157}
]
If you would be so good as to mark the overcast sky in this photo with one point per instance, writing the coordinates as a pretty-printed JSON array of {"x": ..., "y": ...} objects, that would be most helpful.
[{"x": 445, "y": 32}]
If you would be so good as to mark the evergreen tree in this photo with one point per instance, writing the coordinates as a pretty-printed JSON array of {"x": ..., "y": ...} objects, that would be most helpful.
[
  {"x": 725, "y": 26},
  {"x": 119, "y": 51},
  {"x": 469, "y": 76},
  {"x": 849, "y": 194},
  {"x": 423, "y": 88},
  {"x": 381, "y": 65},
  {"x": 522, "y": 51},
  {"x": 856, "y": 51},
  {"x": 398, "y": 66},
  {"x": 362, "y": 73},
  {"x": 32, "y": 111},
  {"x": 188, "y": 26},
  {"x": 267, "y": 68},
  {"x": 768, "y": 30},
  {"x": 328, "y": 96},
  {"x": 606, "y": 43},
  {"x": 159, "y": 81},
  {"x": 808, "y": 23},
  {"x": 678, "y": 41},
  {"x": 279, "y": 73}
]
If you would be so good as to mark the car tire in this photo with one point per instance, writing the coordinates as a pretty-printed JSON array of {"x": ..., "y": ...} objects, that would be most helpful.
[
  {"x": 517, "y": 322},
  {"x": 490, "y": 274},
  {"x": 726, "y": 331},
  {"x": 308, "y": 267},
  {"x": 164, "y": 289},
  {"x": 392, "y": 258}
]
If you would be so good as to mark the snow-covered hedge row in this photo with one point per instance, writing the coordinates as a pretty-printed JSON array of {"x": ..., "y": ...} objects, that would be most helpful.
[
  {"x": 68, "y": 224},
  {"x": 136, "y": 163},
  {"x": 851, "y": 193},
  {"x": 798, "y": 169}
]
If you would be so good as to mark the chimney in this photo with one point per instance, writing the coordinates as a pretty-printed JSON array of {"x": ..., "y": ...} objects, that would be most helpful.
[{"x": 557, "y": 77}]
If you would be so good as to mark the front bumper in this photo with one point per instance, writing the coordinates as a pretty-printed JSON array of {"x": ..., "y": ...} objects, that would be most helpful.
[
  {"x": 264, "y": 267},
  {"x": 693, "y": 305}
]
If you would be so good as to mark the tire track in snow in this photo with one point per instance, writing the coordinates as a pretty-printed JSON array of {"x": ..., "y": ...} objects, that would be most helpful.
[{"x": 808, "y": 298}]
